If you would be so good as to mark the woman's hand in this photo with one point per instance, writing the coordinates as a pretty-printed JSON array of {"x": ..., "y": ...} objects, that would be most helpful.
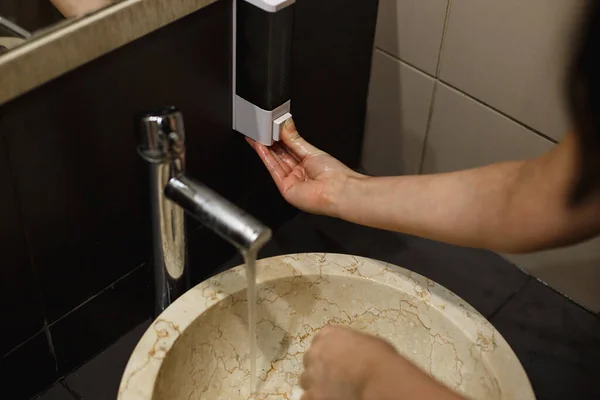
[
  {"x": 345, "y": 365},
  {"x": 307, "y": 177},
  {"x": 341, "y": 363}
]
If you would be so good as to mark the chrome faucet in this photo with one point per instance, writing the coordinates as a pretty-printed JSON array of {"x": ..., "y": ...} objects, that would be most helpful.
[{"x": 162, "y": 145}]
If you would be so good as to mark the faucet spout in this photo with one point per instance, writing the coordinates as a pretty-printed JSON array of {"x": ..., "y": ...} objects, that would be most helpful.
[
  {"x": 162, "y": 146},
  {"x": 216, "y": 213}
]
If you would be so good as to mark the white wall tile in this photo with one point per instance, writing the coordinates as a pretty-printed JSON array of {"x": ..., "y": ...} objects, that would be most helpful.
[
  {"x": 512, "y": 55},
  {"x": 466, "y": 134},
  {"x": 412, "y": 31},
  {"x": 573, "y": 271},
  {"x": 397, "y": 114}
]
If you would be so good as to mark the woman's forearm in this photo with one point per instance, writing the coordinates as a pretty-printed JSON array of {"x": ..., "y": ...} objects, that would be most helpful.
[
  {"x": 466, "y": 208},
  {"x": 512, "y": 207}
]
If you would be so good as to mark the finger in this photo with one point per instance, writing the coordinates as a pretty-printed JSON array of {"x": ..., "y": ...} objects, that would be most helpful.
[
  {"x": 317, "y": 337},
  {"x": 298, "y": 146},
  {"x": 306, "y": 358},
  {"x": 316, "y": 342},
  {"x": 277, "y": 156},
  {"x": 305, "y": 381},
  {"x": 284, "y": 155},
  {"x": 283, "y": 165},
  {"x": 281, "y": 155},
  {"x": 273, "y": 166},
  {"x": 326, "y": 331},
  {"x": 307, "y": 396},
  {"x": 312, "y": 353}
]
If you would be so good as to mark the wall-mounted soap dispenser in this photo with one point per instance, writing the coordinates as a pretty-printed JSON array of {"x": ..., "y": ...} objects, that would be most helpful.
[{"x": 262, "y": 51}]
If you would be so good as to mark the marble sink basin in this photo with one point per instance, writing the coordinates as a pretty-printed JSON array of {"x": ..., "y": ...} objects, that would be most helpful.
[{"x": 198, "y": 348}]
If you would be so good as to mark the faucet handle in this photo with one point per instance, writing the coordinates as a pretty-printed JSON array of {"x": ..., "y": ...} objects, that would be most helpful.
[{"x": 161, "y": 135}]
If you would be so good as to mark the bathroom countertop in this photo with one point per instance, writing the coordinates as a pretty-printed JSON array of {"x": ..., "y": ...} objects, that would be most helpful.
[
  {"x": 557, "y": 341},
  {"x": 71, "y": 44}
]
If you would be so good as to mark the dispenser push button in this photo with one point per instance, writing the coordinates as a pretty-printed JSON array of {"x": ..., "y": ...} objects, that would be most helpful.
[{"x": 278, "y": 126}]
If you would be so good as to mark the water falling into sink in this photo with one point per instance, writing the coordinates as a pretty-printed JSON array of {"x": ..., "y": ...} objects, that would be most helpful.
[{"x": 250, "y": 260}]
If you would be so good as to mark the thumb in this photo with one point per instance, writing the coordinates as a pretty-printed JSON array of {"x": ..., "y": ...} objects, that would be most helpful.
[{"x": 293, "y": 141}]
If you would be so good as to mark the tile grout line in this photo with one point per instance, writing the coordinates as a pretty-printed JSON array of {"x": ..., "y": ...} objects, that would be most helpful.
[
  {"x": 395, "y": 58},
  {"x": 467, "y": 95},
  {"x": 435, "y": 89},
  {"x": 51, "y": 344},
  {"x": 23, "y": 343},
  {"x": 541, "y": 282},
  {"x": 444, "y": 32},
  {"x": 97, "y": 294},
  {"x": 72, "y": 392},
  {"x": 46, "y": 329},
  {"x": 428, "y": 126},
  {"x": 366, "y": 119},
  {"x": 30, "y": 257},
  {"x": 508, "y": 300},
  {"x": 582, "y": 307},
  {"x": 502, "y": 113},
  {"x": 437, "y": 80}
]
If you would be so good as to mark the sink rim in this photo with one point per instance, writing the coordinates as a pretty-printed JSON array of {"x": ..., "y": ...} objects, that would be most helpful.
[{"x": 142, "y": 370}]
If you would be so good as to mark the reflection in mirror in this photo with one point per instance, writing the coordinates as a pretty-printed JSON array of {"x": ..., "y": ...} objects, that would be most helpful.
[
  {"x": 19, "y": 20},
  {"x": 77, "y": 8}
]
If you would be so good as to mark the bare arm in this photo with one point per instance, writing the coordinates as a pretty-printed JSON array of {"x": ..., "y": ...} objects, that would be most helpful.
[
  {"x": 345, "y": 364},
  {"x": 400, "y": 379},
  {"x": 512, "y": 207}
]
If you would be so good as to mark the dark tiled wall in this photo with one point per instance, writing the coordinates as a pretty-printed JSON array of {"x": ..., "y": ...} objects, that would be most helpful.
[{"x": 74, "y": 225}]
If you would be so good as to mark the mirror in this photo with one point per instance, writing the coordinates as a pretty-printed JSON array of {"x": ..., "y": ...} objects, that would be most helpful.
[{"x": 22, "y": 20}]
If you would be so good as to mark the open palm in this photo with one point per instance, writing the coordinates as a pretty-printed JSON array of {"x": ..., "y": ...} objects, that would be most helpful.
[{"x": 307, "y": 177}]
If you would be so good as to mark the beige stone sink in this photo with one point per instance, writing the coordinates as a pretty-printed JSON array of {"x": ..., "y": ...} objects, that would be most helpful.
[{"x": 198, "y": 348}]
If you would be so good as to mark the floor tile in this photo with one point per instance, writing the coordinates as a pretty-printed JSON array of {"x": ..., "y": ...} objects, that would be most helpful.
[
  {"x": 557, "y": 341},
  {"x": 57, "y": 392},
  {"x": 32, "y": 363},
  {"x": 482, "y": 278},
  {"x": 99, "y": 378},
  {"x": 100, "y": 322}
]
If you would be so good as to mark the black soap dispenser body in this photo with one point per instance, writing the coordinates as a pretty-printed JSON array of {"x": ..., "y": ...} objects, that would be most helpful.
[{"x": 262, "y": 46}]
